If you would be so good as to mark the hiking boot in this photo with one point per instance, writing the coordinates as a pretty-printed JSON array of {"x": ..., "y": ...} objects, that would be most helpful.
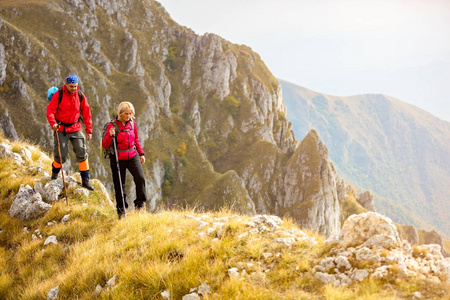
[
  {"x": 140, "y": 210},
  {"x": 87, "y": 184},
  {"x": 54, "y": 176},
  {"x": 139, "y": 207}
]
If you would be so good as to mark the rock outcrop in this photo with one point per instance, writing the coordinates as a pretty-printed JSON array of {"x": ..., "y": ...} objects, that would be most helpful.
[
  {"x": 310, "y": 187},
  {"x": 33, "y": 203},
  {"x": 366, "y": 200},
  {"x": 410, "y": 234},
  {"x": 432, "y": 237},
  {"x": 370, "y": 246},
  {"x": 421, "y": 237},
  {"x": 2, "y": 63},
  {"x": 28, "y": 205},
  {"x": 7, "y": 126}
]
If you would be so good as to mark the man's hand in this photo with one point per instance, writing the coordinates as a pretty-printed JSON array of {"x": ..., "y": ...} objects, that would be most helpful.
[
  {"x": 55, "y": 126},
  {"x": 88, "y": 136}
]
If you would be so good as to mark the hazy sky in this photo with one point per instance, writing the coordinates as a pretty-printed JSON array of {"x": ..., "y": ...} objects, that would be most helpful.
[{"x": 400, "y": 48}]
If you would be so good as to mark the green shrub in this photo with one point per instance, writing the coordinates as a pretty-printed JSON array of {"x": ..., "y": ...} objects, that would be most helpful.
[{"x": 232, "y": 104}]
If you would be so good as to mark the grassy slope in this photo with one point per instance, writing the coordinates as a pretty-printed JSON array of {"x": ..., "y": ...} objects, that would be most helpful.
[{"x": 151, "y": 253}]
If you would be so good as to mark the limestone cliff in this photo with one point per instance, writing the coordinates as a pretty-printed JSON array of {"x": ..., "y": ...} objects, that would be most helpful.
[
  {"x": 210, "y": 114},
  {"x": 311, "y": 185}
]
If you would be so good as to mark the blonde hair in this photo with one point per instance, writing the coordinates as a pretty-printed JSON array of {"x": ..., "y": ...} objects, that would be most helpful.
[{"x": 124, "y": 106}]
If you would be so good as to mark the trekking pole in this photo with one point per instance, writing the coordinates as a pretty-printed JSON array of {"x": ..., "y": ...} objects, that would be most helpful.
[
  {"x": 120, "y": 178},
  {"x": 62, "y": 169}
]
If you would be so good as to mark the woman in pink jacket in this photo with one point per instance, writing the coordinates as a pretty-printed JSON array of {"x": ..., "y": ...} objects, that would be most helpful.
[{"x": 130, "y": 155}]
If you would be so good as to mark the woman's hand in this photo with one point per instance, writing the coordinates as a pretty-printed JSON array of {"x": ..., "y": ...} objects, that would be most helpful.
[
  {"x": 112, "y": 131},
  {"x": 142, "y": 159}
]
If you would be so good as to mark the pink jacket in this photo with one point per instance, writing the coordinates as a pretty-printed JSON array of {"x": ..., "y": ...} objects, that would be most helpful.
[{"x": 128, "y": 143}]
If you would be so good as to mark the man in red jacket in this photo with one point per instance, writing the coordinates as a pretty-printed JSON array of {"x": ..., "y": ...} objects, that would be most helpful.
[{"x": 65, "y": 118}]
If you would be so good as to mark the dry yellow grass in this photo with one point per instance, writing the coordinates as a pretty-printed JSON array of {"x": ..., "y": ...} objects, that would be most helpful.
[{"x": 150, "y": 253}]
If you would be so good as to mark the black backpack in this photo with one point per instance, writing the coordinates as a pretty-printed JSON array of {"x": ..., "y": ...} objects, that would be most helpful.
[
  {"x": 54, "y": 89},
  {"x": 108, "y": 152},
  {"x": 80, "y": 96}
]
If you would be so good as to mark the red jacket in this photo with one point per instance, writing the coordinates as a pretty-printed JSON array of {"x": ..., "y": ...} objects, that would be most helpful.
[
  {"x": 127, "y": 140},
  {"x": 68, "y": 111}
]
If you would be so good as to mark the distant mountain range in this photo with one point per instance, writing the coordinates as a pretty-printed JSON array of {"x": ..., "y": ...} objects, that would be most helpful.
[{"x": 398, "y": 151}]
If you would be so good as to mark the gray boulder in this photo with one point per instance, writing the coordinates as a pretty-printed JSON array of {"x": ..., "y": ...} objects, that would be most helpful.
[
  {"x": 28, "y": 204},
  {"x": 51, "y": 240},
  {"x": 53, "y": 293},
  {"x": 7, "y": 152},
  {"x": 53, "y": 189},
  {"x": 360, "y": 228}
]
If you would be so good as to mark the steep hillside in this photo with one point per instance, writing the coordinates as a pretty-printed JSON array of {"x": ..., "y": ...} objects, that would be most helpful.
[
  {"x": 396, "y": 150},
  {"x": 53, "y": 249},
  {"x": 13, "y": 3},
  {"x": 210, "y": 114}
]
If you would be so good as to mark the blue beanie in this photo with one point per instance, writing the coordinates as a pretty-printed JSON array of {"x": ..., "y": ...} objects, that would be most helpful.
[{"x": 72, "y": 79}]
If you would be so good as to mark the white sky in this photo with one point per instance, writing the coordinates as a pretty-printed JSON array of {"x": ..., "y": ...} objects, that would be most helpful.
[{"x": 400, "y": 48}]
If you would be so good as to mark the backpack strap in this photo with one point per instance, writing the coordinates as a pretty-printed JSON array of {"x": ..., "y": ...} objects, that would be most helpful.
[
  {"x": 59, "y": 95},
  {"x": 80, "y": 97},
  {"x": 116, "y": 126}
]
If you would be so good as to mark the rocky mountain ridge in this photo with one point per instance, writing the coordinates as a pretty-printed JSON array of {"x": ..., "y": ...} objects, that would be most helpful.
[
  {"x": 398, "y": 151},
  {"x": 210, "y": 114}
]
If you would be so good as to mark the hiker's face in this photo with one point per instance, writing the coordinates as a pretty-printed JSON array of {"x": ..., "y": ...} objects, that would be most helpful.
[
  {"x": 71, "y": 87},
  {"x": 126, "y": 115}
]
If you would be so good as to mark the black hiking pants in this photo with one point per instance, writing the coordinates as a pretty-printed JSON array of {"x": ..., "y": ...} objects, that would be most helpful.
[{"x": 134, "y": 166}]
